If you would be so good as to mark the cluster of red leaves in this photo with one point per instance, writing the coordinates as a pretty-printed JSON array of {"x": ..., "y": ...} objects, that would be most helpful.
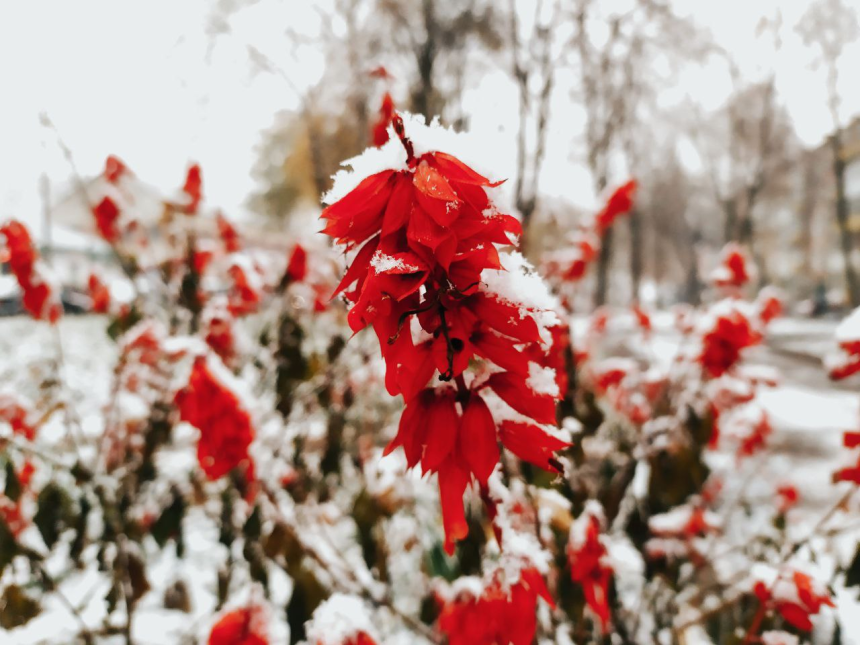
[
  {"x": 428, "y": 232},
  {"x": 39, "y": 299},
  {"x": 620, "y": 202},
  {"x": 787, "y": 497},
  {"x": 589, "y": 566},
  {"x": 245, "y": 293},
  {"x": 228, "y": 234},
  {"x": 218, "y": 330},
  {"x": 193, "y": 189},
  {"x": 386, "y": 114},
  {"x": 796, "y": 600},
  {"x": 755, "y": 435},
  {"x": 225, "y": 426},
  {"x": 630, "y": 392},
  {"x": 850, "y": 473},
  {"x": 732, "y": 271},
  {"x": 675, "y": 532},
  {"x": 586, "y": 242},
  {"x": 245, "y": 626},
  {"x": 11, "y": 510},
  {"x": 297, "y": 265},
  {"x": 18, "y": 415},
  {"x": 729, "y": 333},
  {"x": 99, "y": 295},
  {"x": 501, "y": 614},
  {"x": 106, "y": 214},
  {"x": 115, "y": 169}
]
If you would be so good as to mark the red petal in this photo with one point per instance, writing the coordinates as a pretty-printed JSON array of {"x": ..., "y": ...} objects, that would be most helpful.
[
  {"x": 399, "y": 205},
  {"x": 424, "y": 230},
  {"x": 455, "y": 170},
  {"x": 795, "y": 615},
  {"x": 358, "y": 269},
  {"x": 517, "y": 394},
  {"x": 436, "y": 195},
  {"x": 413, "y": 428},
  {"x": 530, "y": 443},
  {"x": 297, "y": 267},
  {"x": 851, "y": 439},
  {"x": 443, "y": 425},
  {"x": 452, "y": 484},
  {"x": 477, "y": 443},
  {"x": 500, "y": 351},
  {"x": 355, "y": 218},
  {"x": 504, "y": 317}
]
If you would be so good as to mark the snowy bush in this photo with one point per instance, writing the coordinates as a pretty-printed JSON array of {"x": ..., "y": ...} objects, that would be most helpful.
[{"x": 249, "y": 466}]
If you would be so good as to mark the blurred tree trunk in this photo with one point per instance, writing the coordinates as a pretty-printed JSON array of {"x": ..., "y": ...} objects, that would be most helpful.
[
  {"x": 532, "y": 58},
  {"x": 425, "y": 58},
  {"x": 842, "y": 214},
  {"x": 603, "y": 261},
  {"x": 832, "y": 27},
  {"x": 693, "y": 287},
  {"x": 636, "y": 243},
  {"x": 604, "y": 257}
]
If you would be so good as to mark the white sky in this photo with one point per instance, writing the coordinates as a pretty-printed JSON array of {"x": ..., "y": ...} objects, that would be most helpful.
[{"x": 140, "y": 80}]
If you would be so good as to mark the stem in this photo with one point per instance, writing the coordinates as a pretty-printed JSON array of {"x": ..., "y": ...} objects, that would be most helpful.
[
  {"x": 755, "y": 625},
  {"x": 400, "y": 129}
]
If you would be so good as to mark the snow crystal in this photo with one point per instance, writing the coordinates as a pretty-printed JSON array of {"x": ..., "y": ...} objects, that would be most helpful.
[{"x": 384, "y": 263}]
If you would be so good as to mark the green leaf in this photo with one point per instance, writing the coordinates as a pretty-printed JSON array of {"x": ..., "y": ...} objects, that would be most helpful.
[{"x": 17, "y": 608}]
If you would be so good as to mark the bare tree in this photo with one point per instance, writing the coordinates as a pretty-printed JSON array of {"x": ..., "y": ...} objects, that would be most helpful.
[
  {"x": 615, "y": 77},
  {"x": 535, "y": 60},
  {"x": 437, "y": 39},
  {"x": 829, "y": 26},
  {"x": 749, "y": 150}
]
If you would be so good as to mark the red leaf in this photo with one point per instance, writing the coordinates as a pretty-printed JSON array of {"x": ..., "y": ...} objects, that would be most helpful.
[
  {"x": 504, "y": 317},
  {"x": 531, "y": 444},
  {"x": 452, "y": 484},
  {"x": 359, "y": 267},
  {"x": 455, "y": 170},
  {"x": 517, "y": 394},
  {"x": 500, "y": 351},
  {"x": 399, "y": 205},
  {"x": 443, "y": 425},
  {"x": 297, "y": 267},
  {"x": 477, "y": 442}
]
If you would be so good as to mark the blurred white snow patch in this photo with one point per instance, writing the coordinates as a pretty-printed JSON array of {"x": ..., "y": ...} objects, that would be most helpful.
[
  {"x": 848, "y": 331},
  {"x": 338, "y": 619},
  {"x": 779, "y": 638},
  {"x": 801, "y": 408}
]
